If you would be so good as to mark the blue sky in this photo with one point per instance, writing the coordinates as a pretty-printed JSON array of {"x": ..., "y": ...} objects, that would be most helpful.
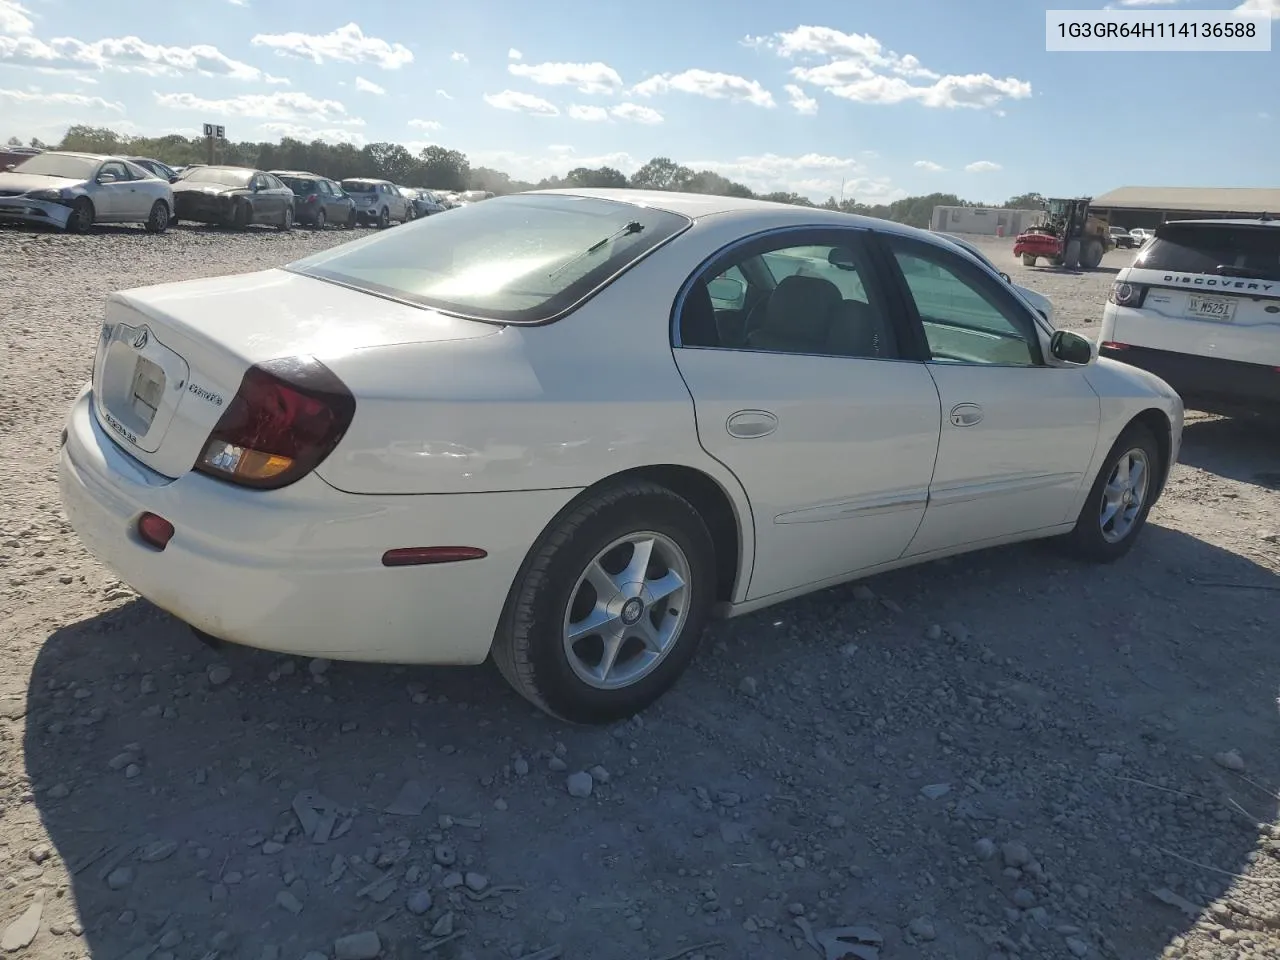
[{"x": 893, "y": 98}]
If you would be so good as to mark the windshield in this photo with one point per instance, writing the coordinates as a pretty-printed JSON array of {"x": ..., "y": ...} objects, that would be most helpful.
[
  {"x": 517, "y": 259},
  {"x": 1232, "y": 249},
  {"x": 300, "y": 187},
  {"x": 59, "y": 165},
  {"x": 358, "y": 186},
  {"x": 226, "y": 176}
]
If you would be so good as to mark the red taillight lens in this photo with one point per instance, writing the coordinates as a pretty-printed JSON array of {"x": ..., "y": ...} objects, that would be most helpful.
[
  {"x": 155, "y": 530},
  {"x": 1127, "y": 294},
  {"x": 287, "y": 416}
]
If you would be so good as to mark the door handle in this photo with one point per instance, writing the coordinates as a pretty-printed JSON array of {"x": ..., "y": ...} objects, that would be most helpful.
[
  {"x": 966, "y": 414},
  {"x": 751, "y": 424}
]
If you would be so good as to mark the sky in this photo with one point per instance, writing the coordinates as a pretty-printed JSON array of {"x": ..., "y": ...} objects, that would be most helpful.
[{"x": 884, "y": 99}]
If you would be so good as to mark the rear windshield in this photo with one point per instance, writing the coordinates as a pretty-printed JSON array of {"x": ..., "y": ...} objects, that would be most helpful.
[
  {"x": 1226, "y": 249},
  {"x": 299, "y": 186},
  {"x": 227, "y": 176},
  {"x": 516, "y": 259},
  {"x": 358, "y": 186}
]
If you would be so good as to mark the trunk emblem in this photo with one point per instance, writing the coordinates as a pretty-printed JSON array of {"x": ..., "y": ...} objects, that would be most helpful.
[{"x": 140, "y": 341}]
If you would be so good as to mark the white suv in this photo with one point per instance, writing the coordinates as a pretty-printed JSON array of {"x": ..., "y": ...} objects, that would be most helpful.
[{"x": 1200, "y": 308}]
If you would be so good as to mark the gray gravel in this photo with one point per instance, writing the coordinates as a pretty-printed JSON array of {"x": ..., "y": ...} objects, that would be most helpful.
[{"x": 1107, "y": 738}]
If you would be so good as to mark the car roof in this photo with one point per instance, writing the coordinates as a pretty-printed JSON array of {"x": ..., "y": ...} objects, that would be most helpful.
[
  {"x": 365, "y": 180},
  {"x": 296, "y": 173},
  {"x": 768, "y": 212},
  {"x": 1234, "y": 222}
]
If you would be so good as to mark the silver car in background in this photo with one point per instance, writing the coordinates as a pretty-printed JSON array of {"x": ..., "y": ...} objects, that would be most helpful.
[{"x": 73, "y": 191}]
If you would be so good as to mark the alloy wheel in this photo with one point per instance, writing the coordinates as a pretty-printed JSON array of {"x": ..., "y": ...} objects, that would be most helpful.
[{"x": 1124, "y": 495}]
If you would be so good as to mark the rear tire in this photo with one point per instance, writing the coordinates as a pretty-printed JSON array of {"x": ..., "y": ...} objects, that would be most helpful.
[
  {"x": 158, "y": 220},
  {"x": 81, "y": 219},
  {"x": 1028, "y": 260},
  {"x": 1116, "y": 509},
  {"x": 384, "y": 218},
  {"x": 1091, "y": 254},
  {"x": 319, "y": 220},
  {"x": 594, "y": 541}
]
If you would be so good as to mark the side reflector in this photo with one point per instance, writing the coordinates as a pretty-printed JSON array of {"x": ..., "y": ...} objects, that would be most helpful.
[
  {"x": 1112, "y": 345},
  {"x": 155, "y": 530},
  {"x": 416, "y": 556}
]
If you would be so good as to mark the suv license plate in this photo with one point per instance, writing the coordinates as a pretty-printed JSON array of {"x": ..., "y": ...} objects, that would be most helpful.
[{"x": 1211, "y": 308}]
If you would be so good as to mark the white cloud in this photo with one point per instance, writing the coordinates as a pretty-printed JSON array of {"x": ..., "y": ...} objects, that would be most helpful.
[
  {"x": 801, "y": 101},
  {"x": 586, "y": 77},
  {"x": 636, "y": 113},
  {"x": 368, "y": 86},
  {"x": 514, "y": 54},
  {"x": 704, "y": 83},
  {"x": 633, "y": 112},
  {"x": 1271, "y": 7},
  {"x": 346, "y": 44},
  {"x": 443, "y": 95},
  {"x": 459, "y": 57},
  {"x": 238, "y": 3},
  {"x": 59, "y": 99},
  {"x": 519, "y": 102},
  {"x": 128, "y": 55},
  {"x": 1149, "y": 3},
  {"x": 589, "y": 114},
  {"x": 425, "y": 124},
  {"x": 307, "y": 134},
  {"x": 929, "y": 166},
  {"x": 982, "y": 166},
  {"x": 858, "y": 67},
  {"x": 15, "y": 19},
  {"x": 284, "y": 106}
]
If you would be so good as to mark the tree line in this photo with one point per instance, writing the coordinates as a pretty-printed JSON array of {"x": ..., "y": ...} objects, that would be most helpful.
[{"x": 439, "y": 168}]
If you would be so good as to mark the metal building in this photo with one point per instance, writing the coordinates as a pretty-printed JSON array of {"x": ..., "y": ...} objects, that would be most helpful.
[
  {"x": 1148, "y": 207},
  {"x": 983, "y": 220}
]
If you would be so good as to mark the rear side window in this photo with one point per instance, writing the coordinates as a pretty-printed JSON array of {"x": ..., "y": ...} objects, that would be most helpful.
[
  {"x": 1232, "y": 250},
  {"x": 517, "y": 259}
]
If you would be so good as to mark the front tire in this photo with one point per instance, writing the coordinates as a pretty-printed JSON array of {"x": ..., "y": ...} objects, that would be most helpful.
[
  {"x": 158, "y": 219},
  {"x": 81, "y": 219},
  {"x": 1028, "y": 260},
  {"x": 610, "y": 605},
  {"x": 319, "y": 220},
  {"x": 1121, "y": 498},
  {"x": 286, "y": 220}
]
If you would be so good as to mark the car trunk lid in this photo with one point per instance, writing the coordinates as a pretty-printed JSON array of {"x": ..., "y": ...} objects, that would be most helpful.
[{"x": 171, "y": 357}]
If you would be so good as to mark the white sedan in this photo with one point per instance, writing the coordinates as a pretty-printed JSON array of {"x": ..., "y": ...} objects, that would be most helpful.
[
  {"x": 73, "y": 191},
  {"x": 564, "y": 428}
]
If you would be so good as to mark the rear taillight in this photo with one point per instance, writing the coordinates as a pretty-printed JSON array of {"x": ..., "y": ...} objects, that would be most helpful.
[
  {"x": 1127, "y": 294},
  {"x": 287, "y": 416},
  {"x": 311, "y": 199}
]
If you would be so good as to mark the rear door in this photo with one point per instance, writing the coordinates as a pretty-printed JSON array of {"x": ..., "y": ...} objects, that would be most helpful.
[
  {"x": 1016, "y": 434},
  {"x": 811, "y": 400},
  {"x": 1210, "y": 289}
]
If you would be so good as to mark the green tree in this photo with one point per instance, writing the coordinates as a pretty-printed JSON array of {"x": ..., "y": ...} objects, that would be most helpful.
[
  {"x": 442, "y": 169},
  {"x": 602, "y": 177},
  {"x": 662, "y": 173},
  {"x": 1025, "y": 201}
]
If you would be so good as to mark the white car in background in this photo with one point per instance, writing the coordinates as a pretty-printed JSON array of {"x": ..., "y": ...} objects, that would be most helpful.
[
  {"x": 566, "y": 427},
  {"x": 73, "y": 191},
  {"x": 1200, "y": 307},
  {"x": 1037, "y": 300}
]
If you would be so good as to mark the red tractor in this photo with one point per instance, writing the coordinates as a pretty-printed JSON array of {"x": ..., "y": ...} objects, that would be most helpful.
[{"x": 1068, "y": 236}]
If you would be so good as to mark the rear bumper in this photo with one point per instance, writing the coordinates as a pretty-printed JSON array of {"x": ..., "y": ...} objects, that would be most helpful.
[
  {"x": 25, "y": 210},
  {"x": 299, "y": 570},
  {"x": 1210, "y": 384}
]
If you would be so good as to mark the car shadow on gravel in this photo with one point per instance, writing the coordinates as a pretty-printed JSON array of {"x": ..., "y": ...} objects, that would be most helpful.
[
  {"x": 1004, "y": 754},
  {"x": 1239, "y": 449}
]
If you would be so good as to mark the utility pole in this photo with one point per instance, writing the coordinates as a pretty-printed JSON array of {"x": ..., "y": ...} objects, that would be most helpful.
[{"x": 842, "y": 180}]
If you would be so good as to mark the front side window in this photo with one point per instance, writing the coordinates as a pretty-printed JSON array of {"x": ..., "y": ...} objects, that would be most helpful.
[
  {"x": 966, "y": 318},
  {"x": 114, "y": 170},
  {"x": 782, "y": 296},
  {"x": 519, "y": 259}
]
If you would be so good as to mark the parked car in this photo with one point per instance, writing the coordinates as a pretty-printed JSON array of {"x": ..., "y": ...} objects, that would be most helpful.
[
  {"x": 1140, "y": 235},
  {"x": 1200, "y": 307},
  {"x": 156, "y": 168},
  {"x": 424, "y": 202},
  {"x": 318, "y": 200},
  {"x": 233, "y": 196},
  {"x": 1037, "y": 300},
  {"x": 74, "y": 191},
  {"x": 1122, "y": 238},
  {"x": 378, "y": 202},
  {"x": 448, "y": 482}
]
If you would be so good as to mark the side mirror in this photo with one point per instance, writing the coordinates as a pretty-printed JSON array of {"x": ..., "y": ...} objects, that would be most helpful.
[
  {"x": 1070, "y": 348},
  {"x": 726, "y": 289},
  {"x": 106, "y": 178}
]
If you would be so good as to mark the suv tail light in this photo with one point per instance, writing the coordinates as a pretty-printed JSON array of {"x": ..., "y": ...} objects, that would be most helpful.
[
  {"x": 287, "y": 416},
  {"x": 1127, "y": 294}
]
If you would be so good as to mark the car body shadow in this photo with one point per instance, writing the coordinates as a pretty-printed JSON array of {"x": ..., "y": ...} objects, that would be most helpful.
[
  {"x": 1239, "y": 449},
  {"x": 1066, "y": 707}
]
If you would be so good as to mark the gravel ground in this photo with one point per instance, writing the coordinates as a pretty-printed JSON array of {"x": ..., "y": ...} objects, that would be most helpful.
[{"x": 1003, "y": 756}]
